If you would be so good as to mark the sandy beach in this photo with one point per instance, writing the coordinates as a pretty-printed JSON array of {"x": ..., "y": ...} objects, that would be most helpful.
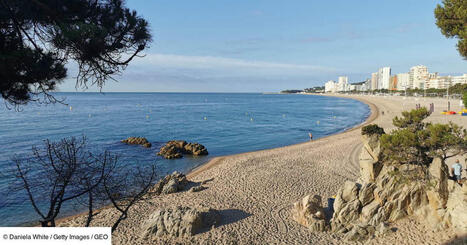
[{"x": 254, "y": 191}]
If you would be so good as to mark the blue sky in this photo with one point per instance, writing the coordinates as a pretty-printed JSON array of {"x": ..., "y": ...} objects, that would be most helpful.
[{"x": 271, "y": 45}]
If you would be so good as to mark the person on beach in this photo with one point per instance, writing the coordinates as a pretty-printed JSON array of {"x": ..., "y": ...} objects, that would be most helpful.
[
  {"x": 456, "y": 171},
  {"x": 311, "y": 136}
]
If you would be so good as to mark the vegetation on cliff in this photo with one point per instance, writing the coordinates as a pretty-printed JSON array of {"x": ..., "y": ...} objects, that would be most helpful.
[{"x": 417, "y": 142}]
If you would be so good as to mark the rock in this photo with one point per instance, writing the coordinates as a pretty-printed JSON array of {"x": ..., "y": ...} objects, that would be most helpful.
[
  {"x": 137, "y": 141},
  {"x": 176, "y": 149},
  {"x": 439, "y": 174},
  {"x": 369, "y": 211},
  {"x": 360, "y": 232},
  {"x": 391, "y": 191},
  {"x": 196, "y": 149},
  {"x": 369, "y": 158},
  {"x": 170, "y": 187},
  {"x": 170, "y": 184},
  {"x": 197, "y": 188},
  {"x": 310, "y": 213},
  {"x": 180, "y": 221},
  {"x": 366, "y": 193},
  {"x": 456, "y": 209},
  {"x": 349, "y": 191},
  {"x": 349, "y": 212}
]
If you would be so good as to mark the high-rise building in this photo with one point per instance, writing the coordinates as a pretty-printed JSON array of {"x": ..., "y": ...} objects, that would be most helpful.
[
  {"x": 393, "y": 83},
  {"x": 374, "y": 81},
  {"x": 384, "y": 77},
  {"x": 418, "y": 76},
  {"x": 342, "y": 84},
  {"x": 402, "y": 81},
  {"x": 330, "y": 87}
]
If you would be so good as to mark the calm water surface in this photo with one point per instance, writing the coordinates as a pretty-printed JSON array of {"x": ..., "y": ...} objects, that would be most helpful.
[{"x": 224, "y": 123}]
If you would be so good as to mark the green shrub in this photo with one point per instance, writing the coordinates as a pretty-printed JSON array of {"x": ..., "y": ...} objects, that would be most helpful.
[{"x": 372, "y": 129}]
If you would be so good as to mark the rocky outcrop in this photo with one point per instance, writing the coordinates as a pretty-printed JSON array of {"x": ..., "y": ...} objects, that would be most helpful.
[
  {"x": 369, "y": 158},
  {"x": 386, "y": 193},
  {"x": 310, "y": 213},
  {"x": 137, "y": 141},
  {"x": 456, "y": 207},
  {"x": 176, "y": 149},
  {"x": 396, "y": 192},
  {"x": 170, "y": 184},
  {"x": 180, "y": 221}
]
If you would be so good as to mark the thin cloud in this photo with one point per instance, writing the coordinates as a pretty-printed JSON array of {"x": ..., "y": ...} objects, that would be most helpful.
[{"x": 221, "y": 63}]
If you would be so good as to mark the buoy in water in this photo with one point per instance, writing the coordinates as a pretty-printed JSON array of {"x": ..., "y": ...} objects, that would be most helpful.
[
  {"x": 205, "y": 118},
  {"x": 71, "y": 108},
  {"x": 251, "y": 119}
]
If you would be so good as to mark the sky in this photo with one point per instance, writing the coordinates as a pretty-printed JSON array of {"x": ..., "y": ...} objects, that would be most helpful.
[{"x": 273, "y": 45}]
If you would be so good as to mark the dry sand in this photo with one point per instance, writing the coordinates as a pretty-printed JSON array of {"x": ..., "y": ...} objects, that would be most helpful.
[{"x": 255, "y": 191}]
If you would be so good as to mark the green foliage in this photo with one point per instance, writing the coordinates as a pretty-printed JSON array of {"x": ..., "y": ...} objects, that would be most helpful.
[
  {"x": 417, "y": 142},
  {"x": 458, "y": 89},
  {"x": 38, "y": 38},
  {"x": 412, "y": 120},
  {"x": 405, "y": 146},
  {"x": 451, "y": 18},
  {"x": 372, "y": 129},
  {"x": 464, "y": 98},
  {"x": 445, "y": 140}
]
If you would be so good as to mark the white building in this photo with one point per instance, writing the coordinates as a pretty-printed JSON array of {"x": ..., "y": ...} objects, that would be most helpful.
[
  {"x": 402, "y": 81},
  {"x": 444, "y": 82},
  {"x": 384, "y": 77},
  {"x": 374, "y": 81},
  {"x": 418, "y": 76},
  {"x": 330, "y": 87},
  {"x": 343, "y": 84},
  {"x": 459, "y": 79}
]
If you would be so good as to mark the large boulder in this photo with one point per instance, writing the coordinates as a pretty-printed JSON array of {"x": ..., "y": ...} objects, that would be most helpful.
[
  {"x": 456, "y": 209},
  {"x": 176, "y": 149},
  {"x": 310, "y": 213},
  {"x": 137, "y": 141},
  {"x": 180, "y": 221},
  {"x": 369, "y": 158},
  {"x": 170, "y": 184}
]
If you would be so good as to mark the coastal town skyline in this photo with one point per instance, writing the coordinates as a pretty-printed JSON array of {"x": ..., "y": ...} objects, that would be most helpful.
[
  {"x": 268, "y": 46},
  {"x": 417, "y": 77}
]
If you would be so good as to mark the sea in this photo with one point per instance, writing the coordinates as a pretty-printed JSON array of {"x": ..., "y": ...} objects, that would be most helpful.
[{"x": 225, "y": 123}]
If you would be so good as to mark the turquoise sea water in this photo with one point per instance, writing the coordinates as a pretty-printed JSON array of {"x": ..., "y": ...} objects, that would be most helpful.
[{"x": 224, "y": 123}]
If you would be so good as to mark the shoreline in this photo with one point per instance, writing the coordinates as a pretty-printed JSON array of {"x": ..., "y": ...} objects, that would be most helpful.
[
  {"x": 374, "y": 113},
  {"x": 254, "y": 192}
]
